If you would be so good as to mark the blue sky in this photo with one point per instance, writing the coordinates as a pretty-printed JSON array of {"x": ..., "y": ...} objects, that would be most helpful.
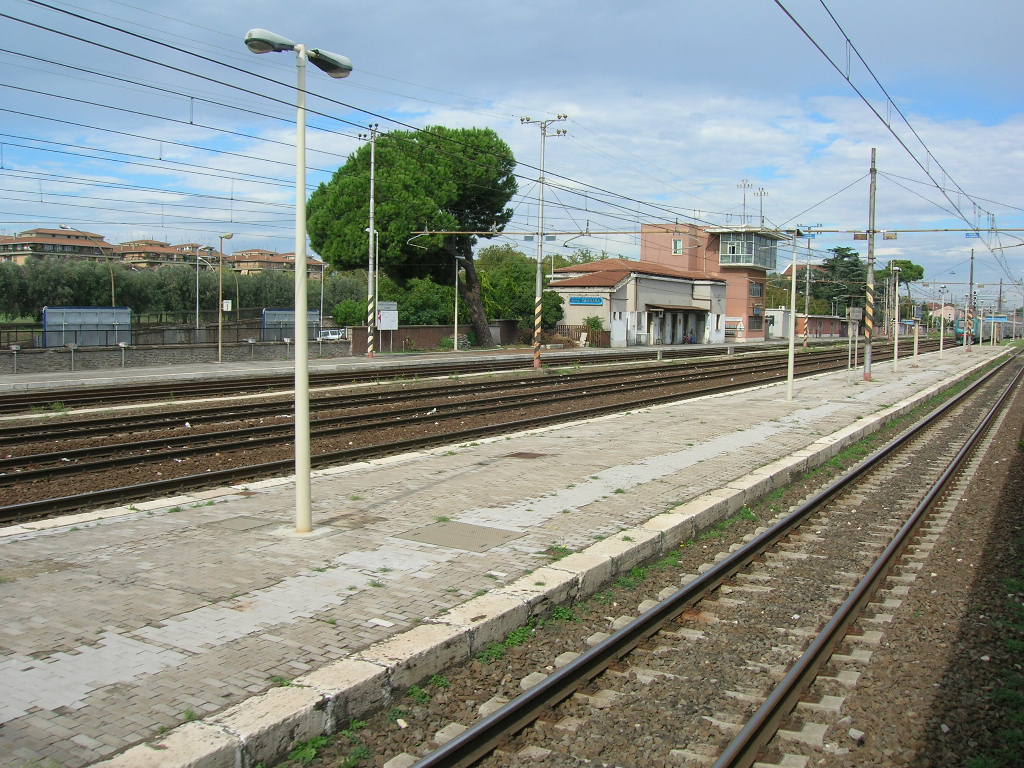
[{"x": 669, "y": 103}]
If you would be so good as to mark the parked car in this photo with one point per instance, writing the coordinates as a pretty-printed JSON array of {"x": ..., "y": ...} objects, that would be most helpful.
[{"x": 335, "y": 334}]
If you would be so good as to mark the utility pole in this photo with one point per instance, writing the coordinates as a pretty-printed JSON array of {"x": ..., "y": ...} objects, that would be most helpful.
[
  {"x": 969, "y": 309},
  {"x": 371, "y": 292},
  {"x": 869, "y": 295},
  {"x": 895, "y": 317},
  {"x": 744, "y": 185},
  {"x": 537, "y": 308},
  {"x": 761, "y": 194},
  {"x": 807, "y": 293}
]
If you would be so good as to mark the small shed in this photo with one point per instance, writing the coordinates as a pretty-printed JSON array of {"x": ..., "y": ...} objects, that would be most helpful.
[
  {"x": 86, "y": 326},
  {"x": 279, "y": 324}
]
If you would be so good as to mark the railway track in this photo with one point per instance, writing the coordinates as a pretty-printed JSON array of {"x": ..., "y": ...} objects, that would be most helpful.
[
  {"x": 18, "y": 402},
  {"x": 708, "y": 671},
  {"x": 371, "y": 425}
]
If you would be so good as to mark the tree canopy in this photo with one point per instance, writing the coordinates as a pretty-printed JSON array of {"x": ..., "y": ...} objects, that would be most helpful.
[
  {"x": 439, "y": 179},
  {"x": 508, "y": 280}
]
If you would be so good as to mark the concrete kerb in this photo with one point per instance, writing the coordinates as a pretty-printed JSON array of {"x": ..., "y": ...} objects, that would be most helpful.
[{"x": 267, "y": 726}]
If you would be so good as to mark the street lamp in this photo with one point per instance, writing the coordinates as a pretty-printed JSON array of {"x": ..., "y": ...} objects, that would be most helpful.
[
  {"x": 942, "y": 316},
  {"x": 207, "y": 250},
  {"x": 220, "y": 296},
  {"x": 263, "y": 41},
  {"x": 110, "y": 266}
]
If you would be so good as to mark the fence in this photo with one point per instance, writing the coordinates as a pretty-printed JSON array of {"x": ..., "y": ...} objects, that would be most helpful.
[
  {"x": 594, "y": 338},
  {"x": 31, "y": 337}
]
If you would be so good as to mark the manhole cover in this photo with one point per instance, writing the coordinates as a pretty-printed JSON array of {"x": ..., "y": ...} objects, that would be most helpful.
[
  {"x": 475, "y": 538},
  {"x": 525, "y": 455}
]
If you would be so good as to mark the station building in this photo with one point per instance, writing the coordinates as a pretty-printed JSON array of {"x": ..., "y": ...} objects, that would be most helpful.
[
  {"x": 643, "y": 303},
  {"x": 739, "y": 256}
]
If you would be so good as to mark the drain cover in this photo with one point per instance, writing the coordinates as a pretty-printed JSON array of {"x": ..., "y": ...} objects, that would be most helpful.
[
  {"x": 525, "y": 455},
  {"x": 475, "y": 538}
]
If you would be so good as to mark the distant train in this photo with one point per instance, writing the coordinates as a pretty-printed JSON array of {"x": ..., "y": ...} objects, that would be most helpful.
[{"x": 983, "y": 328}]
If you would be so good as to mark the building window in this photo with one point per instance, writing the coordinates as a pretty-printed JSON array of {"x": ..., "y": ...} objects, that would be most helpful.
[
  {"x": 755, "y": 323},
  {"x": 757, "y": 289},
  {"x": 677, "y": 247}
]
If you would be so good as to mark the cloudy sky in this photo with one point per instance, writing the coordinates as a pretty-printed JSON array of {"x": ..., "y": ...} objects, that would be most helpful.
[{"x": 156, "y": 125}]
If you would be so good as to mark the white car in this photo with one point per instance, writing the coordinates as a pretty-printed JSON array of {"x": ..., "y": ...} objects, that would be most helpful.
[{"x": 333, "y": 335}]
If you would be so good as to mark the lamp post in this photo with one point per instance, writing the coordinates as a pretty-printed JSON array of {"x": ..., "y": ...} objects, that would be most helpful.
[
  {"x": 262, "y": 41},
  {"x": 942, "y": 317},
  {"x": 220, "y": 297},
  {"x": 110, "y": 266},
  {"x": 199, "y": 258},
  {"x": 323, "y": 277}
]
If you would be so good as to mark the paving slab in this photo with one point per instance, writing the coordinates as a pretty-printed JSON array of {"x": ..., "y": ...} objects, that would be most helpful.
[{"x": 132, "y": 626}]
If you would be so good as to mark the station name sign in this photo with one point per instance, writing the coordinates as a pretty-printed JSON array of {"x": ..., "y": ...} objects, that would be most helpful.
[{"x": 594, "y": 301}]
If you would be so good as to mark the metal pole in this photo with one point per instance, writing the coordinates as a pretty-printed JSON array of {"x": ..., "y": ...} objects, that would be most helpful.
[
  {"x": 371, "y": 309},
  {"x": 790, "y": 365},
  {"x": 807, "y": 293},
  {"x": 455, "y": 335},
  {"x": 303, "y": 504},
  {"x": 197, "y": 297},
  {"x": 895, "y": 319},
  {"x": 323, "y": 278},
  {"x": 942, "y": 320},
  {"x": 869, "y": 294},
  {"x": 969, "y": 308},
  {"x": 538, "y": 296},
  {"x": 220, "y": 298}
]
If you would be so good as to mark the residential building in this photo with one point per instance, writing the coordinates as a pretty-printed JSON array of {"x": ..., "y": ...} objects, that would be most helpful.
[
  {"x": 643, "y": 303},
  {"x": 740, "y": 256},
  {"x": 55, "y": 243},
  {"x": 256, "y": 260}
]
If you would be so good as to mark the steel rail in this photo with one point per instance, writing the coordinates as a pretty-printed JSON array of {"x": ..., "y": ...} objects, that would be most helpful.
[
  {"x": 45, "y": 507},
  {"x": 483, "y": 737},
  {"x": 88, "y": 395},
  {"x": 552, "y": 391},
  {"x": 285, "y": 382},
  {"x": 365, "y": 399},
  {"x": 743, "y": 750}
]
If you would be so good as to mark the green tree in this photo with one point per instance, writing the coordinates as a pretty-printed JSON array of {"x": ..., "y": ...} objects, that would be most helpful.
[
  {"x": 509, "y": 286},
  {"x": 844, "y": 279},
  {"x": 444, "y": 179},
  {"x": 349, "y": 312}
]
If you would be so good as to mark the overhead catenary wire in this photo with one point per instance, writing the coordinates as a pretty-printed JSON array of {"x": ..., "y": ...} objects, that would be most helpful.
[
  {"x": 271, "y": 80},
  {"x": 924, "y": 167}
]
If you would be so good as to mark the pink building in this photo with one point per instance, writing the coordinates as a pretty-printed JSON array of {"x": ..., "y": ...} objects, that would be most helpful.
[{"x": 741, "y": 256}]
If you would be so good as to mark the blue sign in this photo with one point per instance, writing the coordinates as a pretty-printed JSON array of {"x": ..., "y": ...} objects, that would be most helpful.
[
  {"x": 971, "y": 234},
  {"x": 590, "y": 300}
]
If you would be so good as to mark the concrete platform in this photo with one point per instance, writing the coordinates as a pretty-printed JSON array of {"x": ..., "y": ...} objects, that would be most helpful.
[{"x": 171, "y": 622}]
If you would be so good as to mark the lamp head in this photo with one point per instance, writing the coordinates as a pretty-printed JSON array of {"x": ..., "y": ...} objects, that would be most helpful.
[
  {"x": 265, "y": 41},
  {"x": 227, "y": 235},
  {"x": 334, "y": 64}
]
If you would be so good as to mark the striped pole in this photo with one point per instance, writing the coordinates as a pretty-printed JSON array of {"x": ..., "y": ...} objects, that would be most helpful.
[
  {"x": 536, "y": 328},
  {"x": 869, "y": 291},
  {"x": 371, "y": 313}
]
